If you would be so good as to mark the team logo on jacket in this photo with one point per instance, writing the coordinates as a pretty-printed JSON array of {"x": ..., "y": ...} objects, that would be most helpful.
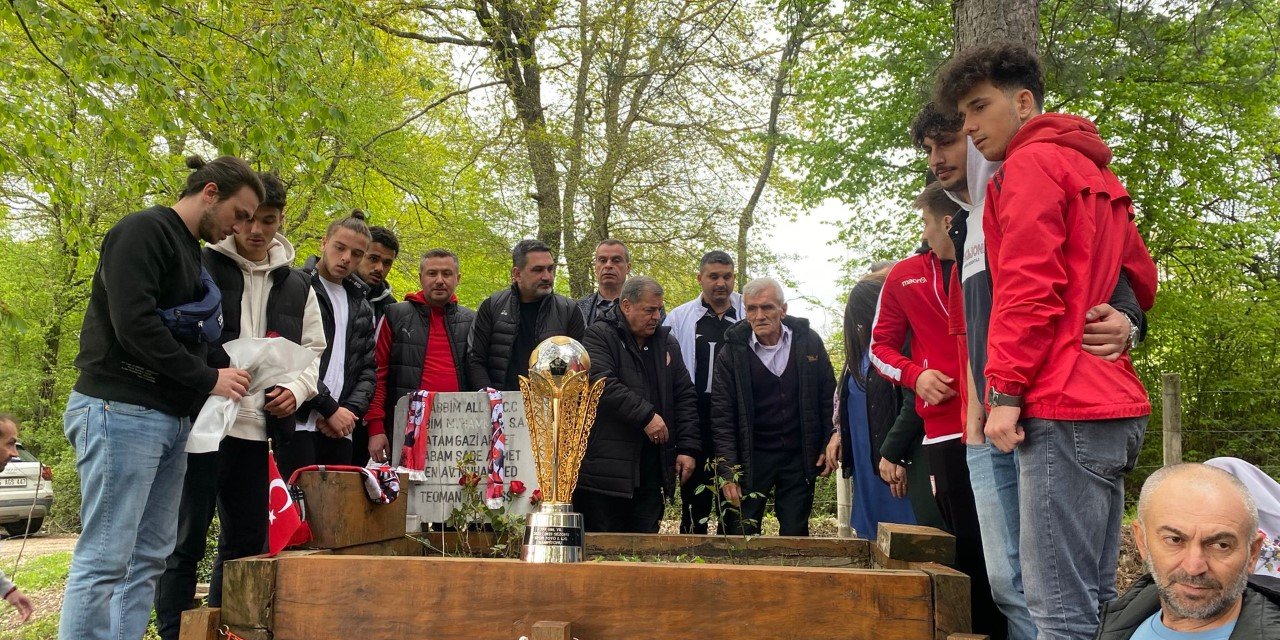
[{"x": 910, "y": 281}]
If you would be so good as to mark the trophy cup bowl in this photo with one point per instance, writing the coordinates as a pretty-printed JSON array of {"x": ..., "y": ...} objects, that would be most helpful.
[{"x": 560, "y": 407}]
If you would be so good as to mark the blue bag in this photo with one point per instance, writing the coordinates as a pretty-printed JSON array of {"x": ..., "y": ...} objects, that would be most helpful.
[{"x": 199, "y": 321}]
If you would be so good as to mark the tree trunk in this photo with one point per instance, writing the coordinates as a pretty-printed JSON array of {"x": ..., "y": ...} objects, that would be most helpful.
[
  {"x": 979, "y": 22},
  {"x": 577, "y": 249},
  {"x": 796, "y": 36},
  {"x": 513, "y": 29}
]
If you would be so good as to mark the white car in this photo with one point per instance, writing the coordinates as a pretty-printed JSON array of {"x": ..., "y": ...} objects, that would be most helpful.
[{"x": 26, "y": 494}]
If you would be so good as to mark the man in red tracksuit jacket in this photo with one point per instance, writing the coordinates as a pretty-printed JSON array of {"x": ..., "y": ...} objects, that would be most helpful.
[
  {"x": 913, "y": 302},
  {"x": 1058, "y": 227}
]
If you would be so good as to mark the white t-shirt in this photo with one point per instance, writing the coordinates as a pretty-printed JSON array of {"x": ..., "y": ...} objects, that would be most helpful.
[{"x": 334, "y": 376}]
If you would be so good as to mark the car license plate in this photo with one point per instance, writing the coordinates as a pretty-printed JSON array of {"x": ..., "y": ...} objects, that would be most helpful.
[{"x": 13, "y": 482}]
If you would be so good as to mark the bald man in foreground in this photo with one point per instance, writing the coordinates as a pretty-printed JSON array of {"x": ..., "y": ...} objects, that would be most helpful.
[{"x": 1197, "y": 532}]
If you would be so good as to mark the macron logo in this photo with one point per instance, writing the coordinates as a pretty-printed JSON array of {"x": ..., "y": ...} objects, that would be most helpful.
[{"x": 920, "y": 280}]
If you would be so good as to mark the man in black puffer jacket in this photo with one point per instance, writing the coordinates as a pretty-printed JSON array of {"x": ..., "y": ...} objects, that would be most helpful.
[
  {"x": 347, "y": 368},
  {"x": 422, "y": 344},
  {"x": 512, "y": 322},
  {"x": 646, "y": 429},
  {"x": 771, "y": 413}
]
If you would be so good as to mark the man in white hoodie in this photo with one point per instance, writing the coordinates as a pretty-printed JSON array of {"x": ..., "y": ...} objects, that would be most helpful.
[{"x": 262, "y": 297}]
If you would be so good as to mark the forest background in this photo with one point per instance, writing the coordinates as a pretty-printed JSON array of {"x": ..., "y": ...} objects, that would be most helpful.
[{"x": 677, "y": 126}]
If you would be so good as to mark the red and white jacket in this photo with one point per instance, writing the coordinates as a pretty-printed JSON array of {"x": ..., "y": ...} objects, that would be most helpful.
[
  {"x": 1059, "y": 228},
  {"x": 913, "y": 308}
]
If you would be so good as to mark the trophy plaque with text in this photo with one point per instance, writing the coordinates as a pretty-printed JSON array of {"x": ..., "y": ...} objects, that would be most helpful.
[{"x": 560, "y": 407}]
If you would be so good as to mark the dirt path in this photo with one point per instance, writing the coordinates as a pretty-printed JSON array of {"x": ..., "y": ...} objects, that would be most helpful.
[{"x": 37, "y": 545}]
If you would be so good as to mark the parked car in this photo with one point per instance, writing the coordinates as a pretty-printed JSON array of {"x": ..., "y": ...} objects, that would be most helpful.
[{"x": 26, "y": 494}]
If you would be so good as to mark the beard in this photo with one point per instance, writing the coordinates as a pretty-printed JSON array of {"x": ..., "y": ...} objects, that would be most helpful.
[
  {"x": 208, "y": 227},
  {"x": 1172, "y": 601}
]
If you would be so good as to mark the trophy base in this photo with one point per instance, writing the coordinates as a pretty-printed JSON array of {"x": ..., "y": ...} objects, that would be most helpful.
[{"x": 554, "y": 533}]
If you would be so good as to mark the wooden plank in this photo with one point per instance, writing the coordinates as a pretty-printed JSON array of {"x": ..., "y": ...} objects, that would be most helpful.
[
  {"x": 880, "y": 561},
  {"x": 952, "y": 612},
  {"x": 249, "y": 589},
  {"x": 968, "y": 636},
  {"x": 341, "y": 515},
  {"x": 200, "y": 624},
  {"x": 551, "y": 631},
  {"x": 914, "y": 543},
  {"x": 404, "y": 546},
  {"x": 436, "y": 598},
  {"x": 772, "y": 550}
]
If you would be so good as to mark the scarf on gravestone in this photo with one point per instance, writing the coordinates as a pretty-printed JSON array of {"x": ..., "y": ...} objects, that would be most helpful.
[
  {"x": 413, "y": 456},
  {"x": 497, "y": 460}
]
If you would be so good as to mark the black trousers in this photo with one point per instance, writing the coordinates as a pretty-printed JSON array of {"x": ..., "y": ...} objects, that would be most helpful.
[
  {"x": 232, "y": 480},
  {"x": 602, "y": 513},
  {"x": 360, "y": 444},
  {"x": 311, "y": 447},
  {"x": 954, "y": 494},
  {"x": 783, "y": 474},
  {"x": 695, "y": 507}
]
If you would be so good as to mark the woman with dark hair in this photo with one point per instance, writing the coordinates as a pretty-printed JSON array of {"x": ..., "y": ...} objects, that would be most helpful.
[{"x": 871, "y": 419}]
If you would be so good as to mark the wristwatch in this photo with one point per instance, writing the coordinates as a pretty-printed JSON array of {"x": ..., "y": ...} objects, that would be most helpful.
[
  {"x": 997, "y": 399},
  {"x": 1135, "y": 332}
]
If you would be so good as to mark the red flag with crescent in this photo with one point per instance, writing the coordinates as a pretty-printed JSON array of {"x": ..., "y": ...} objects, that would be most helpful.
[{"x": 285, "y": 526}]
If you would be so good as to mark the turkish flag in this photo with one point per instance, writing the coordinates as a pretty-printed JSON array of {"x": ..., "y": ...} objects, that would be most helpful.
[{"x": 285, "y": 526}]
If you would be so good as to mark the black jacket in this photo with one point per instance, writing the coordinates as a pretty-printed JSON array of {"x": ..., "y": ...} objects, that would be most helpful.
[
  {"x": 1259, "y": 614},
  {"x": 379, "y": 298},
  {"x": 612, "y": 462},
  {"x": 360, "y": 369},
  {"x": 497, "y": 324},
  {"x": 884, "y": 405},
  {"x": 733, "y": 409},
  {"x": 410, "y": 325},
  {"x": 149, "y": 261},
  {"x": 286, "y": 305}
]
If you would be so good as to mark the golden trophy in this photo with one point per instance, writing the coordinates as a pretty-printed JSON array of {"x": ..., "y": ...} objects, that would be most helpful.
[{"x": 560, "y": 407}]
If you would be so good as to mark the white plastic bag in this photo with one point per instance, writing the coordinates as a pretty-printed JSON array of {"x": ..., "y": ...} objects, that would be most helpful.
[{"x": 269, "y": 361}]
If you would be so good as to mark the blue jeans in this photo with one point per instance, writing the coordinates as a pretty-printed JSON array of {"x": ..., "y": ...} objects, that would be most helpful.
[
  {"x": 994, "y": 477},
  {"x": 1071, "y": 489},
  {"x": 131, "y": 461}
]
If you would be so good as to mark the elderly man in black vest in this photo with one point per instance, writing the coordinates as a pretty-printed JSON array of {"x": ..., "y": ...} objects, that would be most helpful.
[
  {"x": 262, "y": 295},
  {"x": 511, "y": 323},
  {"x": 422, "y": 345},
  {"x": 771, "y": 412},
  {"x": 645, "y": 436}
]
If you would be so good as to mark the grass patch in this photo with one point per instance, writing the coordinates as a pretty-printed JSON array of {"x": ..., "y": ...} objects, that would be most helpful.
[{"x": 41, "y": 572}]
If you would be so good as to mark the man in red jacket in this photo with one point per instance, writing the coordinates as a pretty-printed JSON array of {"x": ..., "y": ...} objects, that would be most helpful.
[
  {"x": 913, "y": 303},
  {"x": 1058, "y": 227},
  {"x": 422, "y": 344}
]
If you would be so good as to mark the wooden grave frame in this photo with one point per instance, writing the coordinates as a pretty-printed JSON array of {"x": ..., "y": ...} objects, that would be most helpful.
[{"x": 366, "y": 579}]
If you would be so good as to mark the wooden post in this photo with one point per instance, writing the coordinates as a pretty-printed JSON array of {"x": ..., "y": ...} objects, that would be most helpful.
[
  {"x": 844, "y": 505},
  {"x": 551, "y": 631},
  {"x": 200, "y": 624},
  {"x": 1171, "y": 411}
]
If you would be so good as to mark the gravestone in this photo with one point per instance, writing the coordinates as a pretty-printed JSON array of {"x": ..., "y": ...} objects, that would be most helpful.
[{"x": 460, "y": 424}]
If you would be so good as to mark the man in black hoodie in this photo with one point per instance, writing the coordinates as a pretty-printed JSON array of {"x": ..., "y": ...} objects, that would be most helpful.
[
  {"x": 772, "y": 399},
  {"x": 1197, "y": 532},
  {"x": 511, "y": 323},
  {"x": 646, "y": 430},
  {"x": 374, "y": 268},
  {"x": 141, "y": 380}
]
